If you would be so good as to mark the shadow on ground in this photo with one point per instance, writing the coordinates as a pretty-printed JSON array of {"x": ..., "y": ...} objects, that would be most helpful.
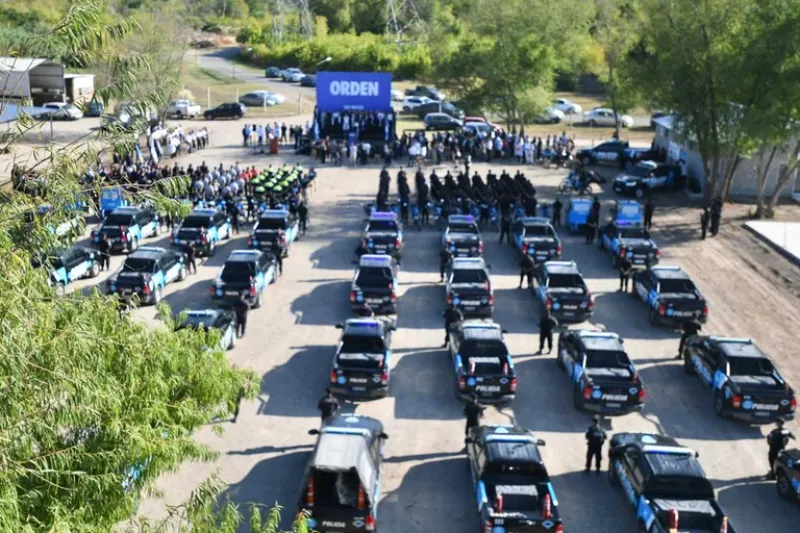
[{"x": 294, "y": 388}]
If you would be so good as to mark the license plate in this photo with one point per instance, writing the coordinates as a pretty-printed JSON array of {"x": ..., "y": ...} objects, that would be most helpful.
[
  {"x": 762, "y": 413},
  {"x": 472, "y": 303},
  {"x": 569, "y": 314},
  {"x": 231, "y": 293},
  {"x": 359, "y": 389},
  {"x": 380, "y": 247},
  {"x": 613, "y": 405},
  {"x": 683, "y": 313},
  {"x": 570, "y": 307},
  {"x": 127, "y": 291},
  {"x": 374, "y": 300},
  {"x": 468, "y": 307},
  {"x": 488, "y": 388},
  {"x": 638, "y": 261}
]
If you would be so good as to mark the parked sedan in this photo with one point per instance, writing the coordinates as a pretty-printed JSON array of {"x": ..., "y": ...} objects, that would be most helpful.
[
  {"x": 61, "y": 111},
  {"x": 309, "y": 80},
  {"x": 439, "y": 107},
  {"x": 411, "y": 103},
  {"x": 551, "y": 115},
  {"x": 567, "y": 107},
  {"x": 228, "y": 110},
  {"x": 603, "y": 116},
  {"x": 441, "y": 122},
  {"x": 272, "y": 72},
  {"x": 260, "y": 99},
  {"x": 292, "y": 74}
]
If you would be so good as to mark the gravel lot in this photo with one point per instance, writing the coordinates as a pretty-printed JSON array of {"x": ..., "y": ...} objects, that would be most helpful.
[{"x": 752, "y": 292}]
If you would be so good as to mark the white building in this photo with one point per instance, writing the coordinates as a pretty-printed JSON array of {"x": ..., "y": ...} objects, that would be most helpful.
[{"x": 40, "y": 80}]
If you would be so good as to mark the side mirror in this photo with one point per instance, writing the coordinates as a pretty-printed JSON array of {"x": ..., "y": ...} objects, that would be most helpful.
[
  {"x": 383, "y": 436},
  {"x": 697, "y": 454},
  {"x": 504, "y": 331},
  {"x": 392, "y": 328},
  {"x": 339, "y": 326},
  {"x": 540, "y": 442},
  {"x": 313, "y": 432},
  {"x": 469, "y": 440}
]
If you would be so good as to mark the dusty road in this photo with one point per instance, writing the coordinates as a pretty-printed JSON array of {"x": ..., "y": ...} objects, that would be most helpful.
[{"x": 752, "y": 292}]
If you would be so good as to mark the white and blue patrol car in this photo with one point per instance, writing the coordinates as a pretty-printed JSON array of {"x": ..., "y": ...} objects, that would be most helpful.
[
  {"x": 126, "y": 227},
  {"x": 245, "y": 274},
  {"x": 274, "y": 225},
  {"x": 66, "y": 266},
  {"x": 146, "y": 273},
  {"x": 205, "y": 228}
]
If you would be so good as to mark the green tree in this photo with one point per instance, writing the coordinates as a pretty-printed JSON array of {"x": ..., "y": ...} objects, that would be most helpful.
[
  {"x": 338, "y": 13},
  {"x": 95, "y": 405}
]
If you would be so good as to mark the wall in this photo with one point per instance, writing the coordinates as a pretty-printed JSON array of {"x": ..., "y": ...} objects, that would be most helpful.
[
  {"x": 80, "y": 88},
  {"x": 15, "y": 84}
]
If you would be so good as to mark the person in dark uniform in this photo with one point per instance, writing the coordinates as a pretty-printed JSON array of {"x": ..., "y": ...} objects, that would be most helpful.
[
  {"x": 649, "y": 209},
  {"x": 104, "y": 246},
  {"x": 191, "y": 265},
  {"x": 526, "y": 267},
  {"x": 716, "y": 217},
  {"x": 328, "y": 406},
  {"x": 777, "y": 440},
  {"x": 595, "y": 438},
  {"x": 365, "y": 311},
  {"x": 625, "y": 266},
  {"x": 302, "y": 216},
  {"x": 452, "y": 316},
  {"x": 557, "y": 207},
  {"x": 505, "y": 226},
  {"x": 473, "y": 411},
  {"x": 546, "y": 325},
  {"x": 277, "y": 251},
  {"x": 591, "y": 227},
  {"x": 688, "y": 328},
  {"x": 235, "y": 219},
  {"x": 241, "y": 308},
  {"x": 445, "y": 257},
  {"x": 704, "y": 220}
]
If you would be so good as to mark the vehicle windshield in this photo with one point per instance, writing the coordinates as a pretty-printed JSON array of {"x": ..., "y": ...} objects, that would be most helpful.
[
  {"x": 750, "y": 366},
  {"x": 639, "y": 171},
  {"x": 198, "y": 321},
  {"x": 559, "y": 281},
  {"x": 469, "y": 276},
  {"x": 237, "y": 271},
  {"x": 633, "y": 233},
  {"x": 483, "y": 348},
  {"x": 374, "y": 277},
  {"x": 118, "y": 220},
  {"x": 677, "y": 286},
  {"x": 607, "y": 359},
  {"x": 196, "y": 222},
  {"x": 487, "y": 365},
  {"x": 539, "y": 230},
  {"x": 680, "y": 487},
  {"x": 514, "y": 473},
  {"x": 336, "y": 490},
  {"x": 138, "y": 264},
  {"x": 464, "y": 228},
  {"x": 362, "y": 344},
  {"x": 271, "y": 223},
  {"x": 382, "y": 225}
]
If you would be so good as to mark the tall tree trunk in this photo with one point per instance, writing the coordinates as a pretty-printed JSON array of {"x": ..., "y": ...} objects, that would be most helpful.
[
  {"x": 762, "y": 171},
  {"x": 792, "y": 164},
  {"x": 730, "y": 176},
  {"x": 612, "y": 93}
]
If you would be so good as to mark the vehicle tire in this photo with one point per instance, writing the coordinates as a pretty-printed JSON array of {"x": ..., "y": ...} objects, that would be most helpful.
[
  {"x": 784, "y": 488},
  {"x": 688, "y": 369},
  {"x": 237, "y": 116},
  {"x": 593, "y": 123},
  {"x": 719, "y": 405},
  {"x": 60, "y": 289},
  {"x": 639, "y": 193},
  {"x": 652, "y": 317},
  {"x": 587, "y": 161},
  {"x": 613, "y": 479},
  {"x": 559, "y": 362},
  {"x": 157, "y": 295},
  {"x": 95, "y": 270},
  {"x": 577, "y": 399},
  {"x": 232, "y": 344},
  {"x": 134, "y": 245},
  {"x": 259, "y": 300},
  {"x": 182, "y": 273},
  {"x": 212, "y": 248},
  {"x": 179, "y": 115}
]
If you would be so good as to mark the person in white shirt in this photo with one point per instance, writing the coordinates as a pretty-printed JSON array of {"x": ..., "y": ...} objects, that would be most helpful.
[{"x": 353, "y": 154}]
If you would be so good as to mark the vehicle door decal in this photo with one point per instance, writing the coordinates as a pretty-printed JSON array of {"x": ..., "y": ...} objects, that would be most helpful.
[
  {"x": 645, "y": 513},
  {"x": 61, "y": 275},
  {"x": 482, "y": 498},
  {"x": 79, "y": 271},
  {"x": 172, "y": 273},
  {"x": 625, "y": 482},
  {"x": 652, "y": 298},
  {"x": 702, "y": 370},
  {"x": 719, "y": 379},
  {"x": 577, "y": 372},
  {"x": 159, "y": 279}
]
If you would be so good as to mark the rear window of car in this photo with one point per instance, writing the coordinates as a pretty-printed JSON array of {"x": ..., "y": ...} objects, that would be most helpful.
[
  {"x": 676, "y": 286},
  {"x": 196, "y": 222},
  {"x": 556, "y": 281},
  {"x": 271, "y": 223},
  {"x": 469, "y": 276},
  {"x": 539, "y": 231},
  {"x": 374, "y": 277},
  {"x": 382, "y": 225},
  {"x": 607, "y": 359},
  {"x": 750, "y": 366},
  {"x": 238, "y": 271},
  {"x": 353, "y": 344},
  {"x": 640, "y": 171},
  {"x": 483, "y": 348},
  {"x": 463, "y": 228},
  {"x": 634, "y": 233},
  {"x": 487, "y": 365},
  {"x": 118, "y": 220},
  {"x": 137, "y": 264}
]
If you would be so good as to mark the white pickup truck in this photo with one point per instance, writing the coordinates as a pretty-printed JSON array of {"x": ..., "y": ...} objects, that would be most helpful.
[{"x": 183, "y": 109}]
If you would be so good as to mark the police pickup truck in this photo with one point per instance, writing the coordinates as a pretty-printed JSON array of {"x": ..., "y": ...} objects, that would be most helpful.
[
  {"x": 205, "y": 228},
  {"x": 207, "y": 319},
  {"x": 375, "y": 284},
  {"x": 341, "y": 484},
  {"x": 126, "y": 227},
  {"x": 670, "y": 295},
  {"x": 246, "y": 273},
  {"x": 787, "y": 474},
  {"x": 745, "y": 384},
  {"x": 72, "y": 226},
  {"x": 481, "y": 362},
  {"x": 535, "y": 236},
  {"x": 66, "y": 266},
  {"x": 146, "y": 273},
  {"x": 513, "y": 491},
  {"x": 469, "y": 288},
  {"x": 666, "y": 485},
  {"x": 611, "y": 152},
  {"x": 462, "y": 236},
  {"x": 362, "y": 363},
  {"x": 603, "y": 376},
  {"x": 383, "y": 235},
  {"x": 633, "y": 242},
  {"x": 561, "y": 290},
  {"x": 645, "y": 176},
  {"x": 274, "y": 225}
]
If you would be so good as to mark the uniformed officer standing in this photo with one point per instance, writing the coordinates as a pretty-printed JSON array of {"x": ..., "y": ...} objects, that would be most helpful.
[
  {"x": 235, "y": 219},
  {"x": 104, "y": 246},
  {"x": 505, "y": 226},
  {"x": 595, "y": 438},
  {"x": 241, "y": 308},
  {"x": 704, "y": 220},
  {"x": 546, "y": 326},
  {"x": 445, "y": 257},
  {"x": 777, "y": 440},
  {"x": 625, "y": 267},
  {"x": 688, "y": 328},
  {"x": 473, "y": 411},
  {"x": 557, "y": 206},
  {"x": 526, "y": 266},
  {"x": 452, "y": 316},
  {"x": 277, "y": 251},
  {"x": 189, "y": 250},
  {"x": 302, "y": 215},
  {"x": 649, "y": 209},
  {"x": 328, "y": 406}
]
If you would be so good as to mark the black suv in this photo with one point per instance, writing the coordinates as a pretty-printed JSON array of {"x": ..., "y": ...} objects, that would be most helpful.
[
  {"x": 481, "y": 362},
  {"x": 512, "y": 487},
  {"x": 745, "y": 383},
  {"x": 670, "y": 295},
  {"x": 561, "y": 290},
  {"x": 787, "y": 472},
  {"x": 664, "y": 482},
  {"x": 469, "y": 288},
  {"x": 362, "y": 362},
  {"x": 229, "y": 110},
  {"x": 603, "y": 377},
  {"x": 245, "y": 273},
  {"x": 375, "y": 284},
  {"x": 611, "y": 152},
  {"x": 341, "y": 483},
  {"x": 439, "y": 107}
]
